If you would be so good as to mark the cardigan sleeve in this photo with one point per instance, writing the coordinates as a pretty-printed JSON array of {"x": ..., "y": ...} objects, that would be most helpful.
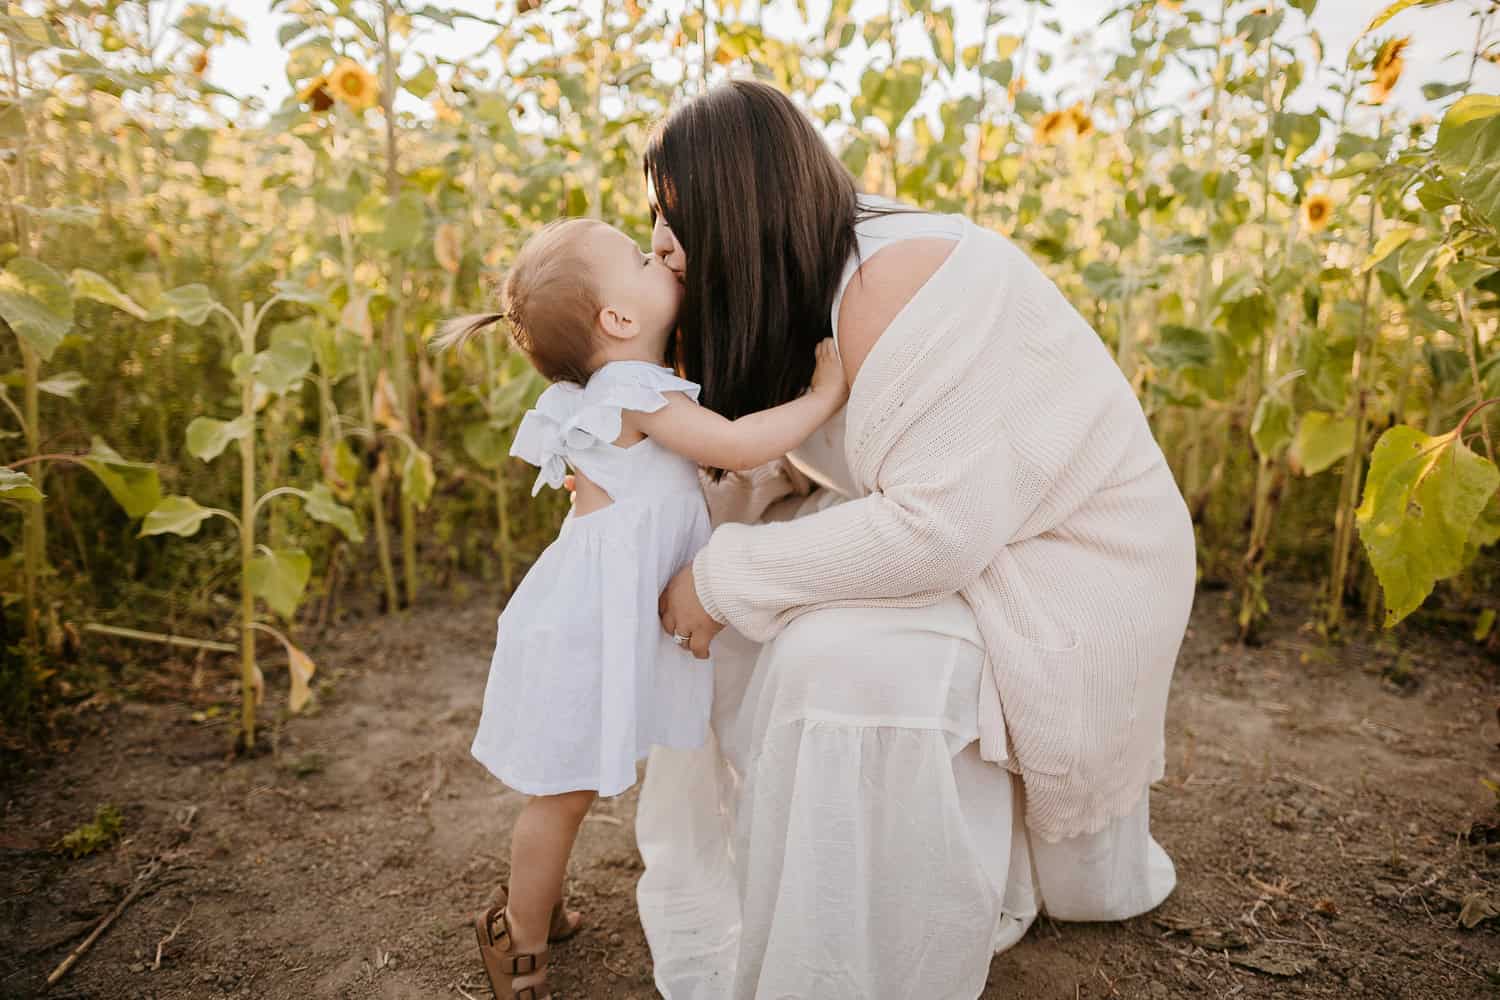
[{"x": 949, "y": 494}]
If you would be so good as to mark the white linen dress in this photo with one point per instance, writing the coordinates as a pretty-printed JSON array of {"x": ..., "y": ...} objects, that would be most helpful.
[
  {"x": 842, "y": 839},
  {"x": 583, "y": 682}
]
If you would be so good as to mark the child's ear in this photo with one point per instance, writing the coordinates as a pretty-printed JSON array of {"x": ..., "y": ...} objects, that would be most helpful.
[{"x": 616, "y": 324}]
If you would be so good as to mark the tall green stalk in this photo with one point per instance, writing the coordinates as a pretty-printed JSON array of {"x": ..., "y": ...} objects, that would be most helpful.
[
  {"x": 248, "y": 682},
  {"x": 34, "y": 524},
  {"x": 395, "y": 333},
  {"x": 371, "y": 433},
  {"x": 1252, "y": 593},
  {"x": 1193, "y": 472},
  {"x": 502, "y": 494},
  {"x": 1343, "y": 531}
]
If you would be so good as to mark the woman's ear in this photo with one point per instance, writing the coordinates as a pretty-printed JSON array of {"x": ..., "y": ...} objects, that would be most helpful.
[{"x": 617, "y": 325}]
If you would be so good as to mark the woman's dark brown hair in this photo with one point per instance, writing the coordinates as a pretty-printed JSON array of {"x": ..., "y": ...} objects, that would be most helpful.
[{"x": 765, "y": 213}]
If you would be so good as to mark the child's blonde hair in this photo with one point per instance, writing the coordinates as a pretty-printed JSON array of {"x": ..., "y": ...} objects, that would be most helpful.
[{"x": 551, "y": 302}]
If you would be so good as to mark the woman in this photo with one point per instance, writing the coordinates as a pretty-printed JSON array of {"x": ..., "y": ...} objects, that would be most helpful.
[{"x": 966, "y": 632}]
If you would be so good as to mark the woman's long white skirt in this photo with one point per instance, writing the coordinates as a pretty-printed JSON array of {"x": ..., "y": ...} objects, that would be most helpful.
[{"x": 843, "y": 839}]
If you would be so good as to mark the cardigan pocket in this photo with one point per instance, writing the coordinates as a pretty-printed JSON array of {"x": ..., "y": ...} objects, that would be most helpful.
[{"x": 1041, "y": 702}]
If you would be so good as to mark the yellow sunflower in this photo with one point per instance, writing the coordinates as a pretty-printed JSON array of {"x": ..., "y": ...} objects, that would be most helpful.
[
  {"x": 315, "y": 94},
  {"x": 354, "y": 85},
  {"x": 1170, "y": 4},
  {"x": 1388, "y": 68},
  {"x": 1317, "y": 209},
  {"x": 1053, "y": 126},
  {"x": 1083, "y": 122}
]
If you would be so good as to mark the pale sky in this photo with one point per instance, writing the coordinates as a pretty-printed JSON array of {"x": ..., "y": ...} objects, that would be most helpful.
[{"x": 1438, "y": 35}]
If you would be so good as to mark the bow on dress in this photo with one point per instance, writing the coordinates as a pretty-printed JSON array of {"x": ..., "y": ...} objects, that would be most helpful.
[{"x": 563, "y": 424}]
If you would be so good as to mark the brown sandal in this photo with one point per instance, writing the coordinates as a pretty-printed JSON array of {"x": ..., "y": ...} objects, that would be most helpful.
[
  {"x": 558, "y": 928},
  {"x": 501, "y": 963}
]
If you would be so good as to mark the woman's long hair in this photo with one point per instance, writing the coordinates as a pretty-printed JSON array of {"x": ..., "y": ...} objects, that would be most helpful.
[{"x": 765, "y": 213}]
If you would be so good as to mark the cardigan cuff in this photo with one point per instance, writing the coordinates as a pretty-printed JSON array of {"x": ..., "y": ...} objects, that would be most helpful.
[{"x": 703, "y": 582}]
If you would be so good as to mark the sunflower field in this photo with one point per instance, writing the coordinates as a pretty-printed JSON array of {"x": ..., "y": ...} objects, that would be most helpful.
[{"x": 223, "y": 428}]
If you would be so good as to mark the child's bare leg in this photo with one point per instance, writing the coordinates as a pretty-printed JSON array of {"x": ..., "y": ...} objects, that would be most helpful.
[{"x": 539, "y": 848}]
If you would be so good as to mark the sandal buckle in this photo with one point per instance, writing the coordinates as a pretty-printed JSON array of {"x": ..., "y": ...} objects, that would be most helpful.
[{"x": 516, "y": 966}]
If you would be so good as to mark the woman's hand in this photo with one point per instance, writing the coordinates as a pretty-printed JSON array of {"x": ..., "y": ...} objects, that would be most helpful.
[{"x": 682, "y": 613}]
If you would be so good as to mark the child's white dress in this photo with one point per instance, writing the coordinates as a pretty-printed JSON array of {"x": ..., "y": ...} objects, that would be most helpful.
[{"x": 584, "y": 681}]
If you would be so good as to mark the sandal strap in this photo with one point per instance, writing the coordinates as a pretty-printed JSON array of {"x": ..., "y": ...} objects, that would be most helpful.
[
  {"x": 491, "y": 916},
  {"x": 530, "y": 993}
]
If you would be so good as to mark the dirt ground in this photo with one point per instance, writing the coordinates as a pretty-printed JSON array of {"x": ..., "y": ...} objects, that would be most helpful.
[{"x": 1324, "y": 809}]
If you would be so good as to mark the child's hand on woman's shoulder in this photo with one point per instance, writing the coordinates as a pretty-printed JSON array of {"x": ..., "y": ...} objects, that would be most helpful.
[{"x": 828, "y": 377}]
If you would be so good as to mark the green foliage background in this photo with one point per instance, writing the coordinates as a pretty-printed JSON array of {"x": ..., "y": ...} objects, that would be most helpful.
[{"x": 1282, "y": 286}]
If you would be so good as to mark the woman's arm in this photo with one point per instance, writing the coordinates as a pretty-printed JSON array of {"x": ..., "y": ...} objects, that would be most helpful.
[
  {"x": 753, "y": 440},
  {"x": 946, "y": 500}
]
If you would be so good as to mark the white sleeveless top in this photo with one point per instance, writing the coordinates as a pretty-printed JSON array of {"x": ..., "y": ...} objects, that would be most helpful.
[{"x": 821, "y": 457}]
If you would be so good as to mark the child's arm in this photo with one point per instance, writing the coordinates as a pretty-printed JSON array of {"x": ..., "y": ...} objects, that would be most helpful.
[{"x": 755, "y": 439}]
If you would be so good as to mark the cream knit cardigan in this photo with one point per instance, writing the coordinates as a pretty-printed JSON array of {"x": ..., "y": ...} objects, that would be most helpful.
[{"x": 1005, "y": 458}]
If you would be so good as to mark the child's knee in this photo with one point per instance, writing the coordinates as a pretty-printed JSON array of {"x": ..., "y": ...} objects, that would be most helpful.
[{"x": 572, "y": 805}]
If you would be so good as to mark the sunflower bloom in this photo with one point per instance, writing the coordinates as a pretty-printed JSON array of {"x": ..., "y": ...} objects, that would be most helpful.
[
  {"x": 316, "y": 94},
  {"x": 1169, "y": 4},
  {"x": 1317, "y": 209},
  {"x": 354, "y": 85},
  {"x": 1388, "y": 67},
  {"x": 1053, "y": 127},
  {"x": 1083, "y": 122}
]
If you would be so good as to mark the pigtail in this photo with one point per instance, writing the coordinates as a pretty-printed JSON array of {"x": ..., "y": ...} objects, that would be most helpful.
[{"x": 457, "y": 331}]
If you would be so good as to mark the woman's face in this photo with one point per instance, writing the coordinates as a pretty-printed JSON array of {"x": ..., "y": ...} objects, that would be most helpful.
[{"x": 663, "y": 243}]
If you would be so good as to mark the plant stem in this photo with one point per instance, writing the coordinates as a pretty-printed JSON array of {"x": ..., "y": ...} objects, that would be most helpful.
[
  {"x": 1479, "y": 31},
  {"x": 1343, "y": 532},
  {"x": 395, "y": 334},
  {"x": 34, "y": 523},
  {"x": 377, "y": 489},
  {"x": 367, "y": 424},
  {"x": 596, "y": 124},
  {"x": 165, "y": 638},
  {"x": 984, "y": 40},
  {"x": 1252, "y": 594},
  {"x": 1469, "y": 330},
  {"x": 34, "y": 545},
  {"x": 1193, "y": 475},
  {"x": 502, "y": 542},
  {"x": 247, "y": 537}
]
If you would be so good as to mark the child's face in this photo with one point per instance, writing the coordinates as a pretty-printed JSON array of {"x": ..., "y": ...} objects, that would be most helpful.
[{"x": 640, "y": 294}]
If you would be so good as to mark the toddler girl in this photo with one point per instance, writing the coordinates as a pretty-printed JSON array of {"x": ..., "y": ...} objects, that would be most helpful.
[{"x": 583, "y": 681}]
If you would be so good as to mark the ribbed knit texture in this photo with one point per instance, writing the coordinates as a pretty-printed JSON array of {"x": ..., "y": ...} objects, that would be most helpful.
[{"x": 1007, "y": 459}]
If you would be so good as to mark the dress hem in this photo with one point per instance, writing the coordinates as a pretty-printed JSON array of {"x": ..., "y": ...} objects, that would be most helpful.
[{"x": 526, "y": 787}]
